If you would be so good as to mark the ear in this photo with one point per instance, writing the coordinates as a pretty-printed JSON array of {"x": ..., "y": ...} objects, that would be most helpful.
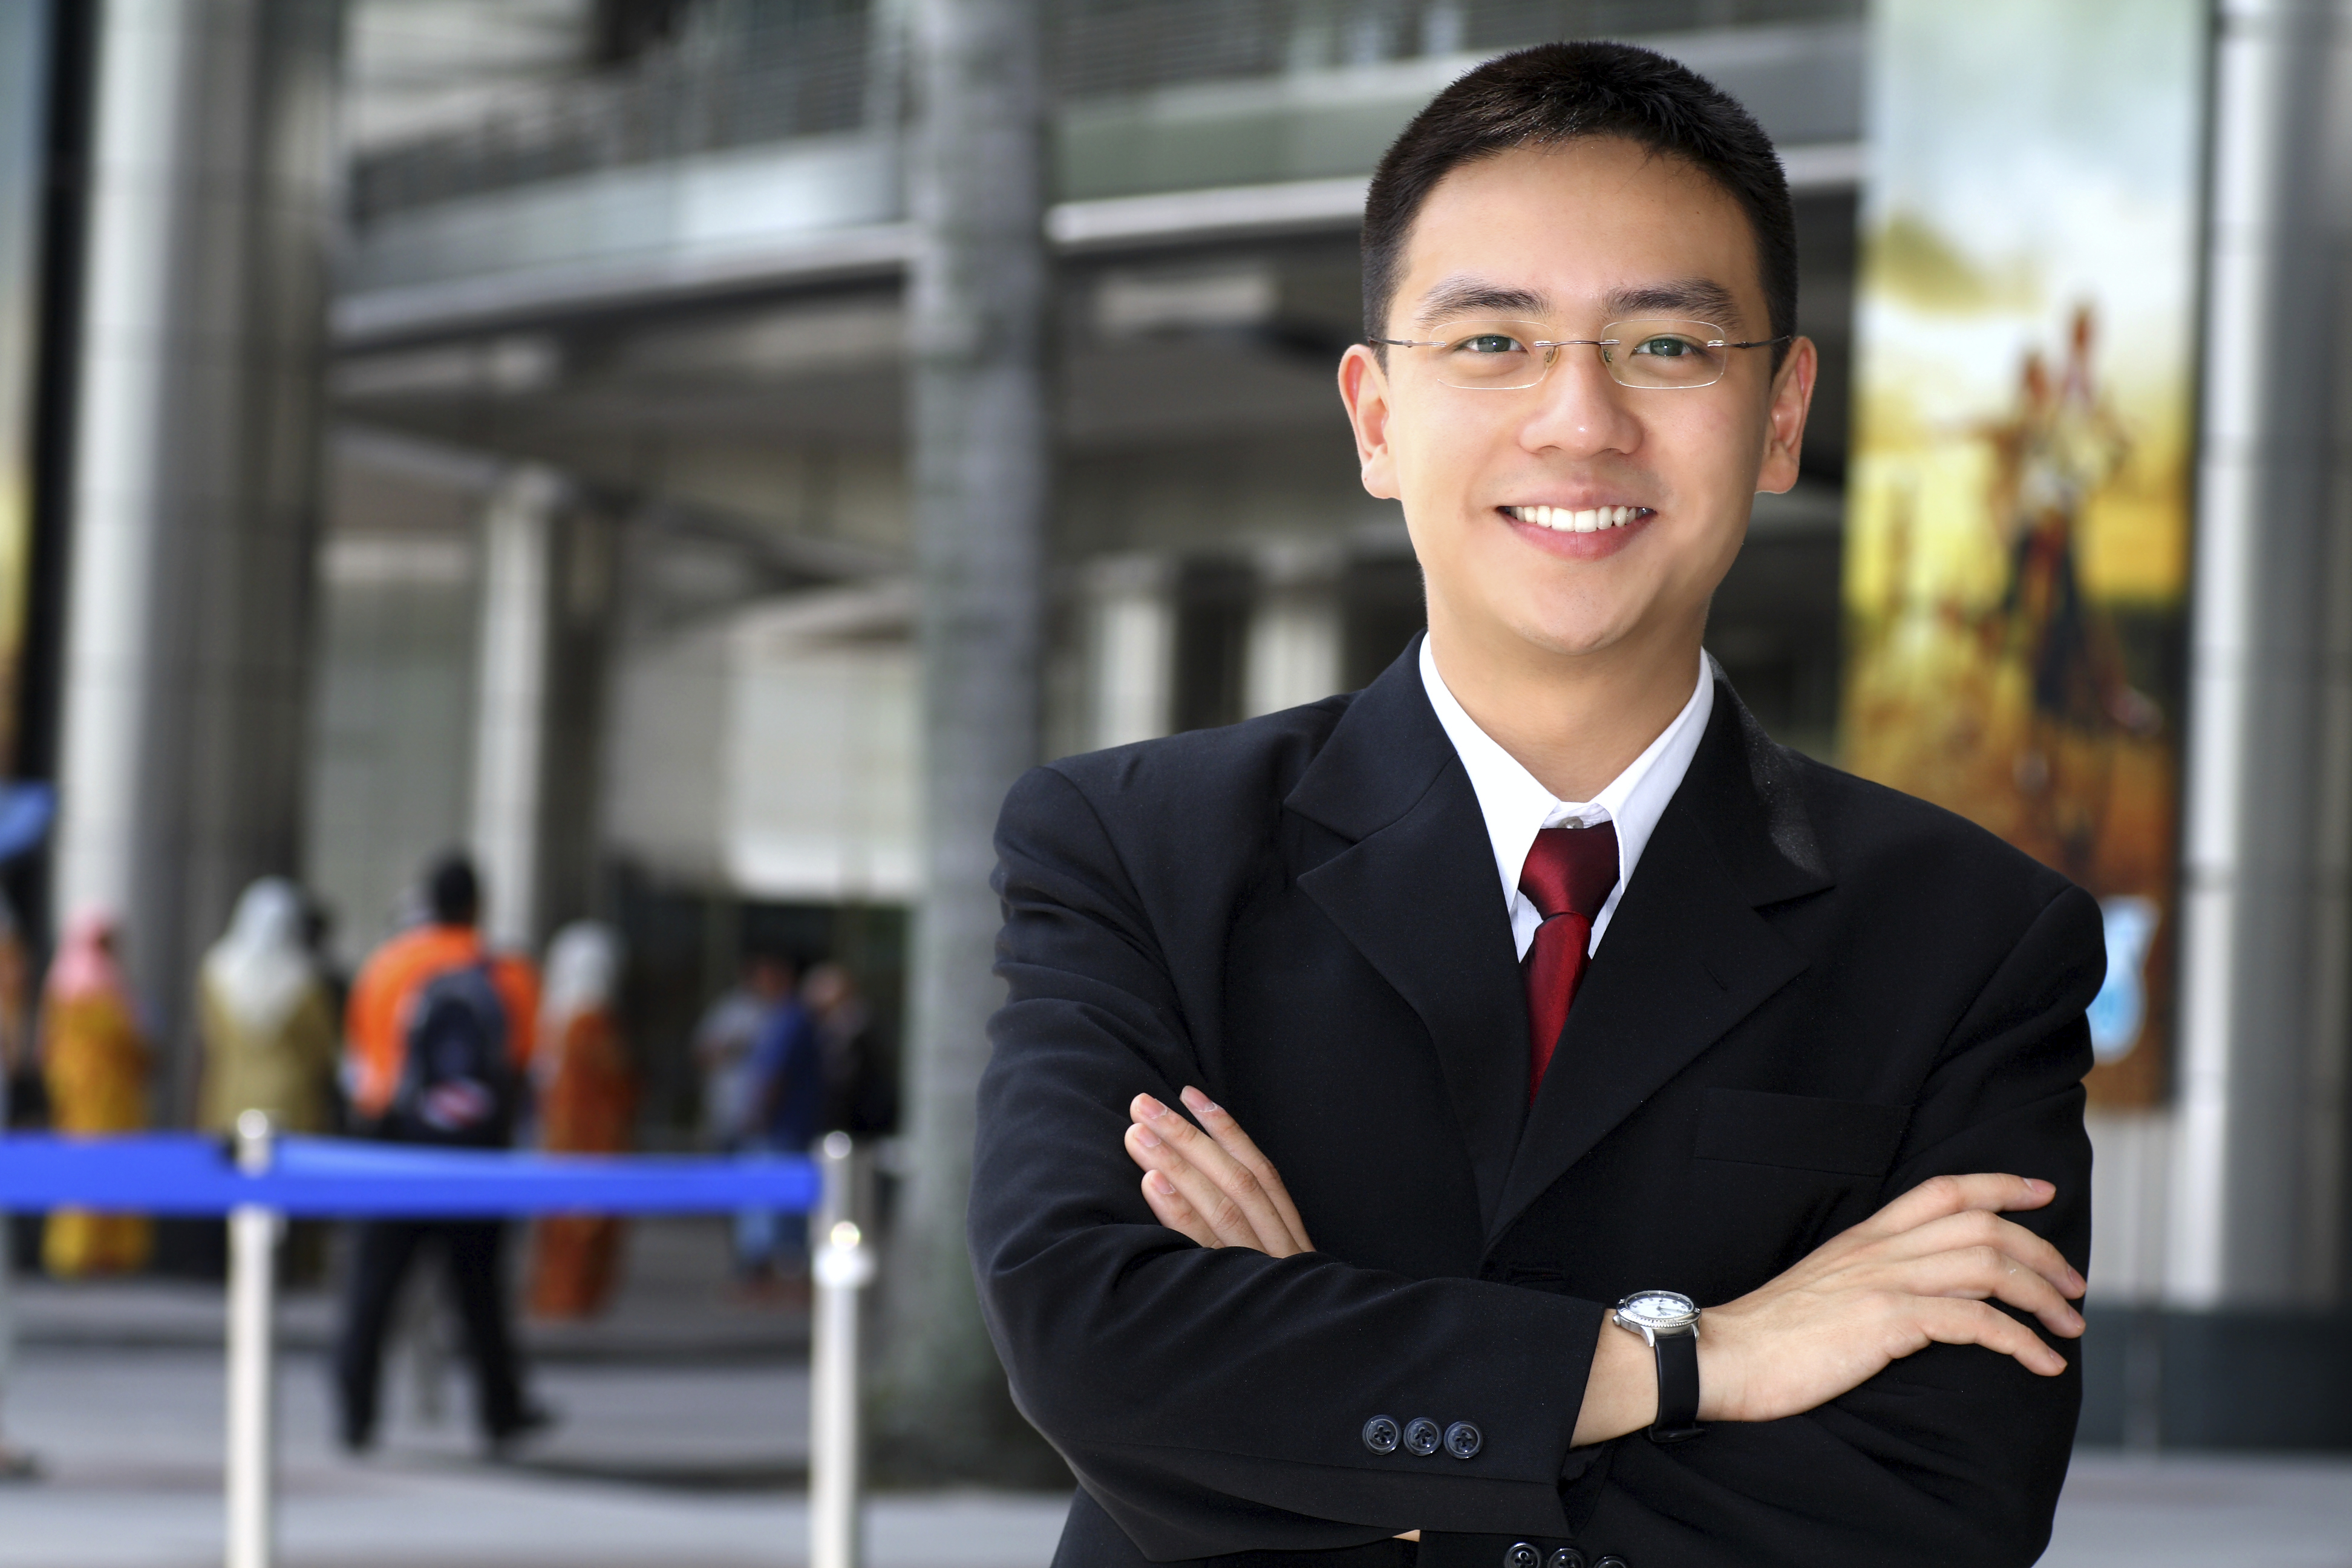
[
  {"x": 1792, "y": 398},
  {"x": 1364, "y": 389}
]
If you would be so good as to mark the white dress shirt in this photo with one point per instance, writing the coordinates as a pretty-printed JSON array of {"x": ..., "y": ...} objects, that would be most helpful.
[{"x": 1516, "y": 807}]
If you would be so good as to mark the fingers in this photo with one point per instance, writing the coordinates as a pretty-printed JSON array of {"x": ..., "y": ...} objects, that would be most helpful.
[
  {"x": 1940, "y": 1195},
  {"x": 1169, "y": 1207},
  {"x": 1220, "y": 1125},
  {"x": 1976, "y": 1323},
  {"x": 1217, "y": 1220},
  {"x": 1979, "y": 1228},
  {"x": 1988, "y": 1273},
  {"x": 1223, "y": 1191}
]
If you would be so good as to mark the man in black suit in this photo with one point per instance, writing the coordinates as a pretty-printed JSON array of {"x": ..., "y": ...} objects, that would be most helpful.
[{"x": 1823, "y": 1036}]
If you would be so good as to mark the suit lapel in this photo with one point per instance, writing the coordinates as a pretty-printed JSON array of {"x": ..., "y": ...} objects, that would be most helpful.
[
  {"x": 1417, "y": 894},
  {"x": 1686, "y": 956}
]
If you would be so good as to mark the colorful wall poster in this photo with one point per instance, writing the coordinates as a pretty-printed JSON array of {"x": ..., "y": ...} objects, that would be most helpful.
[{"x": 2018, "y": 497}]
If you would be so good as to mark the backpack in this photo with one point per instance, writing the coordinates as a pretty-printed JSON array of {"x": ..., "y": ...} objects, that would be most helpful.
[{"x": 457, "y": 1087}]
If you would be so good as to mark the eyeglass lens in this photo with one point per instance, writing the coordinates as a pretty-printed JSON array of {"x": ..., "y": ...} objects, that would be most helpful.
[{"x": 1500, "y": 356}]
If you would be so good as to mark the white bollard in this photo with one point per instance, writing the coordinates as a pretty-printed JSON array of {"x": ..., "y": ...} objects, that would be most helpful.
[
  {"x": 843, "y": 1265},
  {"x": 252, "y": 1285}
]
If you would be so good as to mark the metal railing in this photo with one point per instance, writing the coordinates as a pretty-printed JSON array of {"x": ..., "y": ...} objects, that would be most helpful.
[
  {"x": 269, "y": 1179},
  {"x": 740, "y": 74}
]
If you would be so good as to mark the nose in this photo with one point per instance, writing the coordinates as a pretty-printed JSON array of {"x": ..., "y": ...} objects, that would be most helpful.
[{"x": 1579, "y": 410}]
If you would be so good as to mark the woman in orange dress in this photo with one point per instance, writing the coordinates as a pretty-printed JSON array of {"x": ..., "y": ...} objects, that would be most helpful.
[
  {"x": 587, "y": 1098},
  {"x": 94, "y": 1060}
]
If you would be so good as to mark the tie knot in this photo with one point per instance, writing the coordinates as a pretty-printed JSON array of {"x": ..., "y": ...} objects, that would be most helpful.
[{"x": 1570, "y": 869}]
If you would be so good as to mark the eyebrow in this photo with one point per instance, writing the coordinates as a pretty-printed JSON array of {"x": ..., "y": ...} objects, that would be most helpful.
[
  {"x": 1459, "y": 295},
  {"x": 1698, "y": 299}
]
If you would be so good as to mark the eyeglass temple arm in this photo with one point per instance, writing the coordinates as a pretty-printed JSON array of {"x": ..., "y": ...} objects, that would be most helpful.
[
  {"x": 1538, "y": 343},
  {"x": 1570, "y": 343}
]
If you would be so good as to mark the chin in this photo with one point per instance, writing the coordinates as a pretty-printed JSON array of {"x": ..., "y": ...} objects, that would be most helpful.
[{"x": 1570, "y": 637}]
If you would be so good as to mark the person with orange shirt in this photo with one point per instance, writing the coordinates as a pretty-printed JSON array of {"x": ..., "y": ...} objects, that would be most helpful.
[{"x": 438, "y": 1047}]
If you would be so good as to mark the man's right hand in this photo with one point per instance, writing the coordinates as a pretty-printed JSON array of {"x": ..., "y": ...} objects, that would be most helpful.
[{"x": 1924, "y": 1269}]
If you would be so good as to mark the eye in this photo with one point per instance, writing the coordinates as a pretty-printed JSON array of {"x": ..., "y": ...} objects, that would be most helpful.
[
  {"x": 1489, "y": 343},
  {"x": 1666, "y": 345}
]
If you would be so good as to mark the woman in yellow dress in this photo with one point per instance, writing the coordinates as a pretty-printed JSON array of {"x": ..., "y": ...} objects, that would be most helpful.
[
  {"x": 94, "y": 1060},
  {"x": 587, "y": 1099}
]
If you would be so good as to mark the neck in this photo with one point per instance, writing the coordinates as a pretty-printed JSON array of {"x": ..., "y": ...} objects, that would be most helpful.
[{"x": 1575, "y": 722}]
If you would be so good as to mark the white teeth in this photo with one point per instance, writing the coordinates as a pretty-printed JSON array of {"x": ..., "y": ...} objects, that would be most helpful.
[{"x": 1567, "y": 520}]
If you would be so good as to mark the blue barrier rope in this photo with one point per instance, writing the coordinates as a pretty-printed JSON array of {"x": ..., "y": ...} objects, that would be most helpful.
[{"x": 188, "y": 1174}]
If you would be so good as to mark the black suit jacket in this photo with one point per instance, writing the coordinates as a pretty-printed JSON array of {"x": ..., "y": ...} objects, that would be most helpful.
[{"x": 1815, "y": 993}]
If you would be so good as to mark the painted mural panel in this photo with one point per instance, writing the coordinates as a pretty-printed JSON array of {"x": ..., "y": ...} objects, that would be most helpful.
[{"x": 2019, "y": 496}]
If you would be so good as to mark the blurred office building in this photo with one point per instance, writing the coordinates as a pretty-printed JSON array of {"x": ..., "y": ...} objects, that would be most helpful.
[
  {"x": 614, "y": 576},
  {"x": 481, "y": 422}
]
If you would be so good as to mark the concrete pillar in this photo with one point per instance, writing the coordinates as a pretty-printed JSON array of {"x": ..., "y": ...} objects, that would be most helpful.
[
  {"x": 512, "y": 699},
  {"x": 979, "y": 469},
  {"x": 586, "y": 602},
  {"x": 2257, "y": 1213},
  {"x": 193, "y": 477},
  {"x": 1296, "y": 635},
  {"x": 1131, "y": 650}
]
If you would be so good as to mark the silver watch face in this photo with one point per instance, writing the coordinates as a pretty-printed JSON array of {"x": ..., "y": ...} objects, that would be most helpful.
[{"x": 1658, "y": 1310}]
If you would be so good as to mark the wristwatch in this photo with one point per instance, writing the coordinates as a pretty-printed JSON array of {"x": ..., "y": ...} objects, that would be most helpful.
[{"x": 1667, "y": 1322}]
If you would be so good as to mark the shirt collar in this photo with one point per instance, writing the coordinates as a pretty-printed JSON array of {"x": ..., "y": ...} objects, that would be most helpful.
[{"x": 1516, "y": 806}]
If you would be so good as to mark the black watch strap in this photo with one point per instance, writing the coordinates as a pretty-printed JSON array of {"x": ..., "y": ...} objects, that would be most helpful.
[{"x": 1677, "y": 1389}]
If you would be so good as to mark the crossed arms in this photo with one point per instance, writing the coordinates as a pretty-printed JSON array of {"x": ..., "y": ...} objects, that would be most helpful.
[{"x": 1923, "y": 1270}]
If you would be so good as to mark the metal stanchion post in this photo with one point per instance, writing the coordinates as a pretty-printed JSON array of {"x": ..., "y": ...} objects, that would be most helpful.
[
  {"x": 844, "y": 1265},
  {"x": 252, "y": 1283}
]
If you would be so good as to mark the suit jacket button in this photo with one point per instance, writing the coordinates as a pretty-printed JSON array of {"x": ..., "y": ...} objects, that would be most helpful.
[
  {"x": 1421, "y": 1436},
  {"x": 1522, "y": 1554},
  {"x": 1611, "y": 1561},
  {"x": 1461, "y": 1441},
  {"x": 1381, "y": 1435},
  {"x": 1565, "y": 1557}
]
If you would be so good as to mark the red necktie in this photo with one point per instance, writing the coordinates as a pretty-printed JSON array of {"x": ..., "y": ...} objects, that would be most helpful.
[{"x": 1567, "y": 877}]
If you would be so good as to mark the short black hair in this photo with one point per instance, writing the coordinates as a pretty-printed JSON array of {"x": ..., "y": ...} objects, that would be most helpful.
[
  {"x": 1565, "y": 92},
  {"x": 452, "y": 890}
]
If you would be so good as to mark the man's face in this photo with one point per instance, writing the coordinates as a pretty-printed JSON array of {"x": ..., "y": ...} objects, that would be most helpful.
[{"x": 1572, "y": 238}]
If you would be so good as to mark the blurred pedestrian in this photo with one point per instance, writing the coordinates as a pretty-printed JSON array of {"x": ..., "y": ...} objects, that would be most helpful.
[
  {"x": 587, "y": 1096},
  {"x": 267, "y": 1022},
  {"x": 437, "y": 1041},
  {"x": 319, "y": 936},
  {"x": 15, "y": 1010},
  {"x": 861, "y": 1092},
  {"x": 785, "y": 1093},
  {"x": 94, "y": 1063},
  {"x": 15, "y": 971},
  {"x": 264, "y": 1018},
  {"x": 723, "y": 1047}
]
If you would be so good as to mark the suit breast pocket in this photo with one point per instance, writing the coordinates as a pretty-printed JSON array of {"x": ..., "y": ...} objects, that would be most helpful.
[{"x": 1783, "y": 1173}]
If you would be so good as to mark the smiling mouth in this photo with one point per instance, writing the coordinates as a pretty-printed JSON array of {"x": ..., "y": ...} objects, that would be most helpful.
[{"x": 1586, "y": 519}]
